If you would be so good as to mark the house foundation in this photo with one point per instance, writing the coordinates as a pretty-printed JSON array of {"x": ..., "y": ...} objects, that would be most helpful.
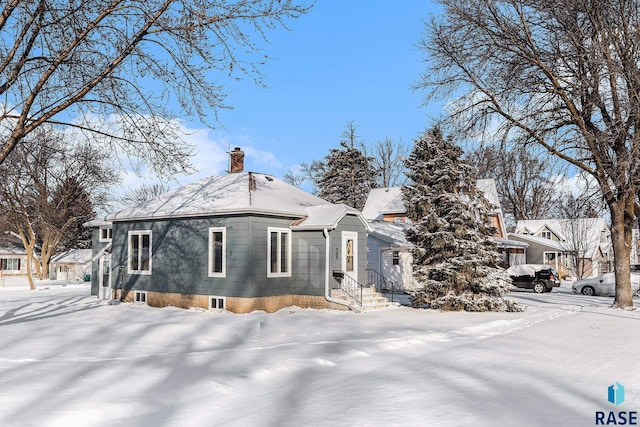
[{"x": 233, "y": 304}]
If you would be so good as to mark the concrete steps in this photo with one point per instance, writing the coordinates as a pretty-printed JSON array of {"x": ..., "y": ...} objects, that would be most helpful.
[{"x": 371, "y": 300}]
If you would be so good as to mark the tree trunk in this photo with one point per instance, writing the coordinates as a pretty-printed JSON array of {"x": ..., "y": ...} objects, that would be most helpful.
[
  {"x": 28, "y": 247},
  {"x": 621, "y": 240}
]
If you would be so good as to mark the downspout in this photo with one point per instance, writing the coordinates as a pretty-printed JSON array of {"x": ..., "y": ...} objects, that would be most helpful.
[{"x": 327, "y": 273}]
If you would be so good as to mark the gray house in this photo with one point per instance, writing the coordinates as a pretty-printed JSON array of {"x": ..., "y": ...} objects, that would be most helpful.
[{"x": 241, "y": 242}]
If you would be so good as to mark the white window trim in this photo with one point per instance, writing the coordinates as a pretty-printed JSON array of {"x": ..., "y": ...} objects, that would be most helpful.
[
  {"x": 216, "y": 297},
  {"x": 279, "y": 231},
  {"x": 129, "y": 250},
  {"x": 136, "y": 298},
  {"x": 105, "y": 239},
  {"x": 224, "y": 252}
]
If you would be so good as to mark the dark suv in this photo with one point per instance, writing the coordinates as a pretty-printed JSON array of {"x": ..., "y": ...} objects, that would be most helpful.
[{"x": 539, "y": 277}]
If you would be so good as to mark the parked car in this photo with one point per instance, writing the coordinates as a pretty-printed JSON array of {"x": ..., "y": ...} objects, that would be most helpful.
[
  {"x": 539, "y": 277},
  {"x": 605, "y": 284}
]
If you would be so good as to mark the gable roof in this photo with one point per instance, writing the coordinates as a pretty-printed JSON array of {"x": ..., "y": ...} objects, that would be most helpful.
[
  {"x": 490, "y": 191},
  {"x": 383, "y": 201},
  {"x": 590, "y": 228},
  {"x": 73, "y": 256},
  {"x": 10, "y": 244},
  {"x": 245, "y": 192},
  {"x": 326, "y": 216}
]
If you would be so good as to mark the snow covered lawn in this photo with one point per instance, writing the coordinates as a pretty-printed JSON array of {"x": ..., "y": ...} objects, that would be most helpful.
[{"x": 67, "y": 359}]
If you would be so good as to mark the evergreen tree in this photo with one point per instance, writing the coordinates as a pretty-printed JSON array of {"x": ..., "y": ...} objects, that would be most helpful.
[
  {"x": 454, "y": 257},
  {"x": 347, "y": 175}
]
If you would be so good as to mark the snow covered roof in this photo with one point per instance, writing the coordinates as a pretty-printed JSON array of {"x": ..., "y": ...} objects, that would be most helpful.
[
  {"x": 383, "y": 201},
  {"x": 508, "y": 243},
  {"x": 245, "y": 192},
  {"x": 389, "y": 200},
  {"x": 73, "y": 256},
  {"x": 488, "y": 187},
  {"x": 390, "y": 232},
  {"x": 589, "y": 229},
  {"x": 551, "y": 244},
  {"x": 97, "y": 223},
  {"x": 326, "y": 216},
  {"x": 10, "y": 244}
]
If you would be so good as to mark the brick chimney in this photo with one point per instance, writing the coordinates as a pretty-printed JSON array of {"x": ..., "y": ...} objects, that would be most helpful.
[{"x": 237, "y": 160}]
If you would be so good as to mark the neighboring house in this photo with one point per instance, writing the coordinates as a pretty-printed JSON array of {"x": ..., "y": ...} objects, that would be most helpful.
[
  {"x": 13, "y": 257},
  {"x": 578, "y": 247},
  {"x": 242, "y": 242},
  {"x": 101, "y": 258},
  {"x": 389, "y": 252},
  {"x": 74, "y": 264}
]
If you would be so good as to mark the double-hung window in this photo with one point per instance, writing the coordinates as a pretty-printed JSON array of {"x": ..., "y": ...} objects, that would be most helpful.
[
  {"x": 279, "y": 252},
  {"x": 217, "y": 252},
  {"x": 139, "y": 259},
  {"x": 12, "y": 264},
  {"x": 105, "y": 234}
]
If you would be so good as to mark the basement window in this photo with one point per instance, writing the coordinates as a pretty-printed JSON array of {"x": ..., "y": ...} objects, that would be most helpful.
[
  {"x": 219, "y": 303},
  {"x": 140, "y": 297}
]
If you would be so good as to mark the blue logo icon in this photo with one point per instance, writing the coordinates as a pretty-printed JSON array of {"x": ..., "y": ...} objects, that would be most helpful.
[{"x": 616, "y": 394}]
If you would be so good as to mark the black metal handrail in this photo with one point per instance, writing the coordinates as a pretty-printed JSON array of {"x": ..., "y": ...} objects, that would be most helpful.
[
  {"x": 381, "y": 283},
  {"x": 349, "y": 286}
]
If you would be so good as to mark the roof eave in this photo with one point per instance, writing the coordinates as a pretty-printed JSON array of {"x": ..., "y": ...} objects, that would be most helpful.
[{"x": 221, "y": 212}]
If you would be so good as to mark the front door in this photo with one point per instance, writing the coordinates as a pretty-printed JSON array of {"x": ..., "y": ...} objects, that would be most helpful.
[
  {"x": 104, "y": 285},
  {"x": 350, "y": 253}
]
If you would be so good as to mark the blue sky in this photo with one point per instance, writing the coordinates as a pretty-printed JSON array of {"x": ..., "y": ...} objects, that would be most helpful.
[{"x": 344, "y": 61}]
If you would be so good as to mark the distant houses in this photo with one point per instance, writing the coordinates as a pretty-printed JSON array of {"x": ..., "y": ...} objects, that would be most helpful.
[
  {"x": 13, "y": 257},
  {"x": 74, "y": 265},
  {"x": 578, "y": 248}
]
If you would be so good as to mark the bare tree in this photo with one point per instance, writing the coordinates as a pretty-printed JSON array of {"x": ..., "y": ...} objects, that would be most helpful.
[
  {"x": 389, "y": 161},
  {"x": 527, "y": 184},
  {"x": 48, "y": 188},
  {"x": 563, "y": 75},
  {"x": 109, "y": 67},
  {"x": 143, "y": 193},
  {"x": 294, "y": 178}
]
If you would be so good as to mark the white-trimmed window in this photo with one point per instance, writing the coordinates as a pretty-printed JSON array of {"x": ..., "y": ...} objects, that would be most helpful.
[
  {"x": 217, "y": 252},
  {"x": 106, "y": 233},
  {"x": 139, "y": 259},
  {"x": 10, "y": 264},
  {"x": 279, "y": 252},
  {"x": 545, "y": 235},
  {"x": 216, "y": 302},
  {"x": 140, "y": 297}
]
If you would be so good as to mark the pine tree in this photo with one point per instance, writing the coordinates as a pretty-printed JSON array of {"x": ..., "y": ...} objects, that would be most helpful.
[
  {"x": 454, "y": 257},
  {"x": 347, "y": 175}
]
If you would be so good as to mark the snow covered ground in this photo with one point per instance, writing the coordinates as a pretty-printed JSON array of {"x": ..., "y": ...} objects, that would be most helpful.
[{"x": 67, "y": 359}]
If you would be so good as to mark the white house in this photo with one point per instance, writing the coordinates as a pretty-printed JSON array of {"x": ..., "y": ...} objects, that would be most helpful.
[
  {"x": 13, "y": 257},
  {"x": 74, "y": 264}
]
